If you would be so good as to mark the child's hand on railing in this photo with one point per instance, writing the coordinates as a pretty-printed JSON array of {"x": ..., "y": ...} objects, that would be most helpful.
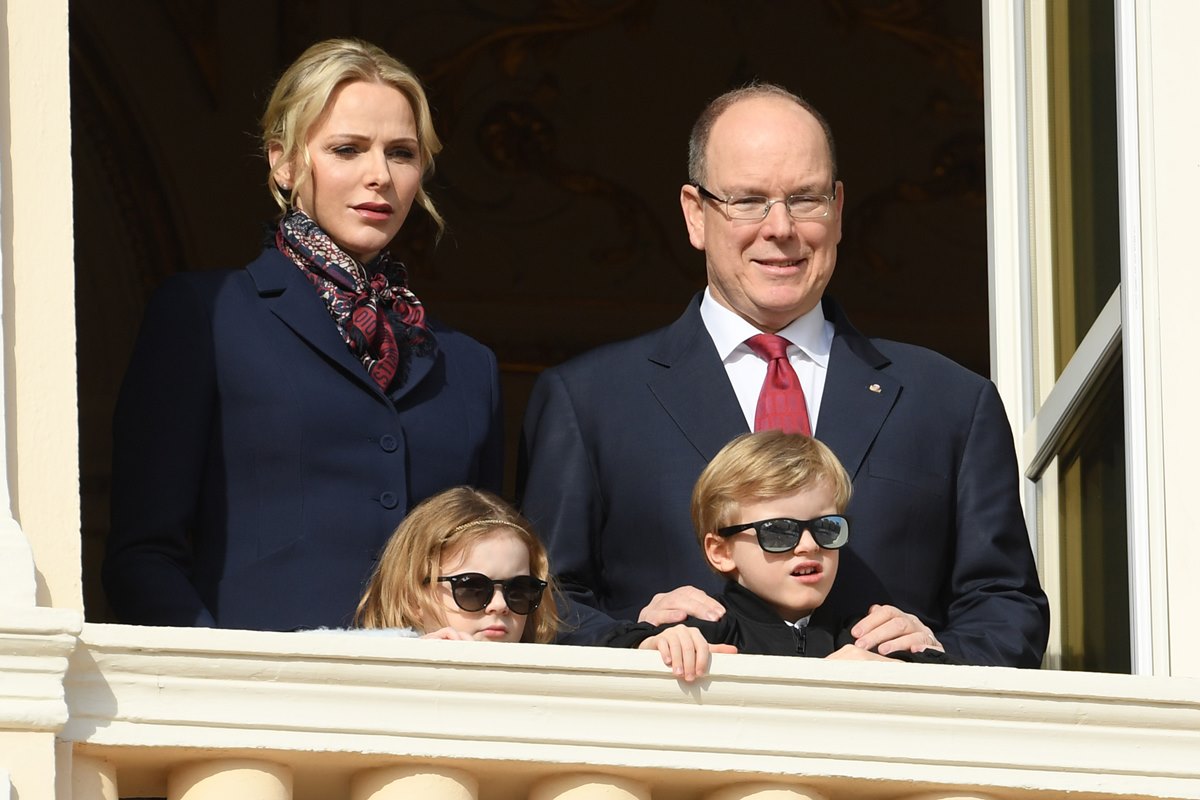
[{"x": 685, "y": 651}]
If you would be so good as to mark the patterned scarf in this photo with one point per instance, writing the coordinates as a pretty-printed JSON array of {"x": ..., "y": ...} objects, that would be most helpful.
[{"x": 383, "y": 323}]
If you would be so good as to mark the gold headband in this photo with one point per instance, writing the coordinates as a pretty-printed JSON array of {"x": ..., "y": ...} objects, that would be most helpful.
[{"x": 475, "y": 523}]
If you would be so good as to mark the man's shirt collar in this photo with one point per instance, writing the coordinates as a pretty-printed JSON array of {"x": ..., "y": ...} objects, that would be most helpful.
[{"x": 810, "y": 332}]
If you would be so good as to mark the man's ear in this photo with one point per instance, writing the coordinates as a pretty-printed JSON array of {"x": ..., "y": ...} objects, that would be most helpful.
[
  {"x": 837, "y": 211},
  {"x": 717, "y": 549},
  {"x": 693, "y": 214},
  {"x": 282, "y": 170}
]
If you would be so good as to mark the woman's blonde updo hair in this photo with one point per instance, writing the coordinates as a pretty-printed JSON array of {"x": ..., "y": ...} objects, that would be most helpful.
[
  {"x": 302, "y": 95},
  {"x": 401, "y": 593}
]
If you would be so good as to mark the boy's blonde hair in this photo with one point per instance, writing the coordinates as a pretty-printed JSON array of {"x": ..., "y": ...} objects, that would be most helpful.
[
  {"x": 302, "y": 95},
  {"x": 761, "y": 466},
  {"x": 400, "y": 592}
]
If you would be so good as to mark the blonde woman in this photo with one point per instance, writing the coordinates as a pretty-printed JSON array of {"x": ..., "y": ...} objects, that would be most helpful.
[{"x": 278, "y": 421}]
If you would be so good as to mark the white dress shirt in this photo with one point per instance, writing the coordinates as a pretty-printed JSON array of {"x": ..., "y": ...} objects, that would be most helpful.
[{"x": 811, "y": 337}]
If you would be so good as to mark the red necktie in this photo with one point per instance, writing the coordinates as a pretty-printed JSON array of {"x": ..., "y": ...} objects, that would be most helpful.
[{"x": 781, "y": 403}]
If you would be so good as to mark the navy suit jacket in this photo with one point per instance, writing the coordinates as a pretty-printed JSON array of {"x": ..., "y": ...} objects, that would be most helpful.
[
  {"x": 258, "y": 469},
  {"x": 615, "y": 439}
]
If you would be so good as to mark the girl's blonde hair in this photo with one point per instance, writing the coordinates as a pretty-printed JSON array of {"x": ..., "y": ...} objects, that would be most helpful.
[
  {"x": 400, "y": 592},
  {"x": 762, "y": 466},
  {"x": 302, "y": 95}
]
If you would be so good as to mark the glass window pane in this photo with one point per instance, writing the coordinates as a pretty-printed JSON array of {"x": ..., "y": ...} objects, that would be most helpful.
[
  {"x": 1092, "y": 525},
  {"x": 1083, "y": 113}
]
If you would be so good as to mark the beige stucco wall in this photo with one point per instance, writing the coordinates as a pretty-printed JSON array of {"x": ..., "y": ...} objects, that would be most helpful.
[
  {"x": 1169, "y": 62},
  {"x": 39, "y": 311},
  {"x": 30, "y": 760}
]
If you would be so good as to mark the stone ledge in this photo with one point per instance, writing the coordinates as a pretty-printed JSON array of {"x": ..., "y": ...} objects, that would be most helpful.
[
  {"x": 34, "y": 646},
  {"x": 330, "y": 692}
]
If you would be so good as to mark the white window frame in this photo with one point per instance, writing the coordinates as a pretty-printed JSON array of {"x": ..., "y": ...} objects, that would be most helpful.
[{"x": 1040, "y": 407}]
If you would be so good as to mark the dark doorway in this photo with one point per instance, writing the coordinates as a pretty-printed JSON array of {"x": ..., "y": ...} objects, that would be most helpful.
[{"x": 565, "y": 127}]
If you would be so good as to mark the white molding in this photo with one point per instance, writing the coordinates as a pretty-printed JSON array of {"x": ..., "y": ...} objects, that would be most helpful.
[
  {"x": 1150, "y": 348},
  {"x": 1040, "y": 365},
  {"x": 1133, "y": 345},
  {"x": 1051, "y": 554},
  {"x": 1168, "y": 60},
  {"x": 18, "y": 586},
  {"x": 239, "y": 691},
  {"x": 34, "y": 647},
  {"x": 1004, "y": 124},
  {"x": 1005, "y": 106}
]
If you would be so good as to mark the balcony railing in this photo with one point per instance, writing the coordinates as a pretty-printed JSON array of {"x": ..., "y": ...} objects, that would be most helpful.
[{"x": 196, "y": 714}]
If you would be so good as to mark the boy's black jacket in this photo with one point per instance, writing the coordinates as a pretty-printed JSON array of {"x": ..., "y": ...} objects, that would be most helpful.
[{"x": 751, "y": 625}]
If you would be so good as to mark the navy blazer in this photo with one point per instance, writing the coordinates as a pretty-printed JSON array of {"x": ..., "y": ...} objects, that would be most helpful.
[
  {"x": 615, "y": 439},
  {"x": 258, "y": 469}
]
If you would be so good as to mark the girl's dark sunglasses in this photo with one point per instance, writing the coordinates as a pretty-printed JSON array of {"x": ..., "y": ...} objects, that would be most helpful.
[
  {"x": 783, "y": 534},
  {"x": 473, "y": 591}
]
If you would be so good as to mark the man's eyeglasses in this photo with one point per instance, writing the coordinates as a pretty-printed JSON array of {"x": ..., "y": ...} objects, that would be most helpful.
[
  {"x": 783, "y": 534},
  {"x": 473, "y": 591},
  {"x": 756, "y": 207}
]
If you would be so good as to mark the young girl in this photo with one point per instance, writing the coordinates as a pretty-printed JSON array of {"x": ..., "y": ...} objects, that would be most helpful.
[{"x": 463, "y": 565}]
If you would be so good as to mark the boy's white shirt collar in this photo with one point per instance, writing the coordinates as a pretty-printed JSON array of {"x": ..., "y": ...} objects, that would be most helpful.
[{"x": 811, "y": 332}]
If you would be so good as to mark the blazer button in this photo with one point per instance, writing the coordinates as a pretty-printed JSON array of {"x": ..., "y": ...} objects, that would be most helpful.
[
  {"x": 388, "y": 443},
  {"x": 388, "y": 500}
]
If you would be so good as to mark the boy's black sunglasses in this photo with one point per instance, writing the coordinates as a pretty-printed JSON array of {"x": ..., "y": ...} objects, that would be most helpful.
[
  {"x": 783, "y": 534},
  {"x": 473, "y": 591}
]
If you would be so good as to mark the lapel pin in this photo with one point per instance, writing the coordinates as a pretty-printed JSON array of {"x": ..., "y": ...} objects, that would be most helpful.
[{"x": 874, "y": 387}]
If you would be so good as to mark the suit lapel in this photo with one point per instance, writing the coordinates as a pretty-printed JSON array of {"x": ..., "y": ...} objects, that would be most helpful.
[
  {"x": 693, "y": 387},
  {"x": 292, "y": 299},
  {"x": 858, "y": 394}
]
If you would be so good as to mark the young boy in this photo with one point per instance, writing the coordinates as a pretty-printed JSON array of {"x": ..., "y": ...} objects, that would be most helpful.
[{"x": 768, "y": 513}]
